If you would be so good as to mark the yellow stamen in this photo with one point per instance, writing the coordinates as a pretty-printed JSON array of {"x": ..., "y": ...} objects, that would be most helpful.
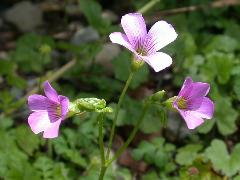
[
  {"x": 59, "y": 110},
  {"x": 141, "y": 51},
  {"x": 182, "y": 103}
]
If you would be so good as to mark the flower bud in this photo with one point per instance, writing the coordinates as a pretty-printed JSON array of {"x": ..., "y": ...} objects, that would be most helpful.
[
  {"x": 90, "y": 105},
  {"x": 169, "y": 103},
  {"x": 45, "y": 49},
  {"x": 136, "y": 64},
  {"x": 157, "y": 96}
]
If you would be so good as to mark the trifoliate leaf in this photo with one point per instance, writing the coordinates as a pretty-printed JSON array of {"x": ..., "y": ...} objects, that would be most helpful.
[
  {"x": 27, "y": 140},
  {"x": 225, "y": 116},
  {"x": 221, "y": 64},
  {"x": 236, "y": 86},
  {"x": 187, "y": 154},
  {"x": 222, "y": 161},
  {"x": 222, "y": 43}
]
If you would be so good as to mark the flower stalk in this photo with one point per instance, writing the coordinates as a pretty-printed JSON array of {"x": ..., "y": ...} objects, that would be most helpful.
[
  {"x": 132, "y": 135},
  {"x": 117, "y": 111},
  {"x": 101, "y": 145}
]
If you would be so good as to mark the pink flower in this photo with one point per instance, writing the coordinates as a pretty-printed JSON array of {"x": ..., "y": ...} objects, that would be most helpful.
[
  {"x": 48, "y": 112},
  {"x": 192, "y": 104},
  {"x": 145, "y": 44}
]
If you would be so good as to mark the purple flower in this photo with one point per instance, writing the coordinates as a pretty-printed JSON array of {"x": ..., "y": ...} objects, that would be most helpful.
[
  {"x": 192, "y": 104},
  {"x": 48, "y": 112},
  {"x": 145, "y": 44}
]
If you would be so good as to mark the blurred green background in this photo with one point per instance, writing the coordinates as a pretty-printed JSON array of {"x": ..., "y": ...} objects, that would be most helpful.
[{"x": 66, "y": 41}]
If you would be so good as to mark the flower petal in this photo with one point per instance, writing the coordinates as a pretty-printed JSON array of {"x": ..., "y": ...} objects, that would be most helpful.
[
  {"x": 160, "y": 35},
  {"x": 39, "y": 121},
  {"x": 195, "y": 103},
  {"x": 191, "y": 119},
  {"x": 50, "y": 92},
  {"x": 120, "y": 38},
  {"x": 186, "y": 88},
  {"x": 191, "y": 90},
  {"x": 52, "y": 130},
  {"x": 64, "y": 101},
  {"x": 158, "y": 61},
  {"x": 135, "y": 28},
  {"x": 206, "y": 109},
  {"x": 37, "y": 102},
  {"x": 198, "y": 89}
]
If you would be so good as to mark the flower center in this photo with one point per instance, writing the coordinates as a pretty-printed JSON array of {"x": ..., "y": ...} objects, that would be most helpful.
[
  {"x": 141, "y": 51},
  {"x": 59, "y": 110},
  {"x": 182, "y": 103}
]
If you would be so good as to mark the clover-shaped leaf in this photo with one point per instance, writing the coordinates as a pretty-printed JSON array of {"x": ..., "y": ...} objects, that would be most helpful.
[
  {"x": 226, "y": 163},
  {"x": 187, "y": 154}
]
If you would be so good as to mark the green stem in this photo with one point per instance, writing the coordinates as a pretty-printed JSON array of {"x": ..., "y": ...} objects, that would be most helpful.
[
  {"x": 132, "y": 135},
  {"x": 102, "y": 172},
  {"x": 148, "y": 6},
  {"x": 117, "y": 111},
  {"x": 100, "y": 140},
  {"x": 101, "y": 145},
  {"x": 50, "y": 148}
]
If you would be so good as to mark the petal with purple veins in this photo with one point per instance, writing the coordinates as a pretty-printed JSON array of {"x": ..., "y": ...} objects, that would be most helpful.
[
  {"x": 64, "y": 101},
  {"x": 120, "y": 38},
  {"x": 206, "y": 109},
  {"x": 198, "y": 89},
  {"x": 186, "y": 88},
  {"x": 195, "y": 103},
  {"x": 160, "y": 35},
  {"x": 135, "y": 28},
  {"x": 158, "y": 61},
  {"x": 50, "y": 92},
  {"x": 37, "y": 102}
]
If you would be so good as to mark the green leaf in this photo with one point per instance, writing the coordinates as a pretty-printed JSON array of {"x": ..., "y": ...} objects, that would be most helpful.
[
  {"x": 189, "y": 44},
  {"x": 12, "y": 160},
  {"x": 51, "y": 170},
  {"x": 222, "y": 64},
  {"x": 122, "y": 68},
  {"x": 222, "y": 43},
  {"x": 193, "y": 61},
  {"x": 25, "y": 171},
  {"x": 27, "y": 140},
  {"x": 143, "y": 148},
  {"x": 236, "y": 86},
  {"x": 66, "y": 148},
  {"x": 236, "y": 177},
  {"x": 5, "y": 122},
  {"x": 28, "y": 53},
  {"x": 6, "y": 100},
  {"x": 225, "y": 116},
  {"x": 236, "y": 69},
  {"x": 16, "y": 80},
  {"x": 206, "y": 127},
  {"x": 6, "y": 67},
  {"x": 150, "y": 175},
  {"x": 187, "y": 154},
  {"x": 229, "y": 164},
  {"x": 152, "y": 121},
  {"x": 93, "y": 12},
  {"x": 156, "y": 152}
]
